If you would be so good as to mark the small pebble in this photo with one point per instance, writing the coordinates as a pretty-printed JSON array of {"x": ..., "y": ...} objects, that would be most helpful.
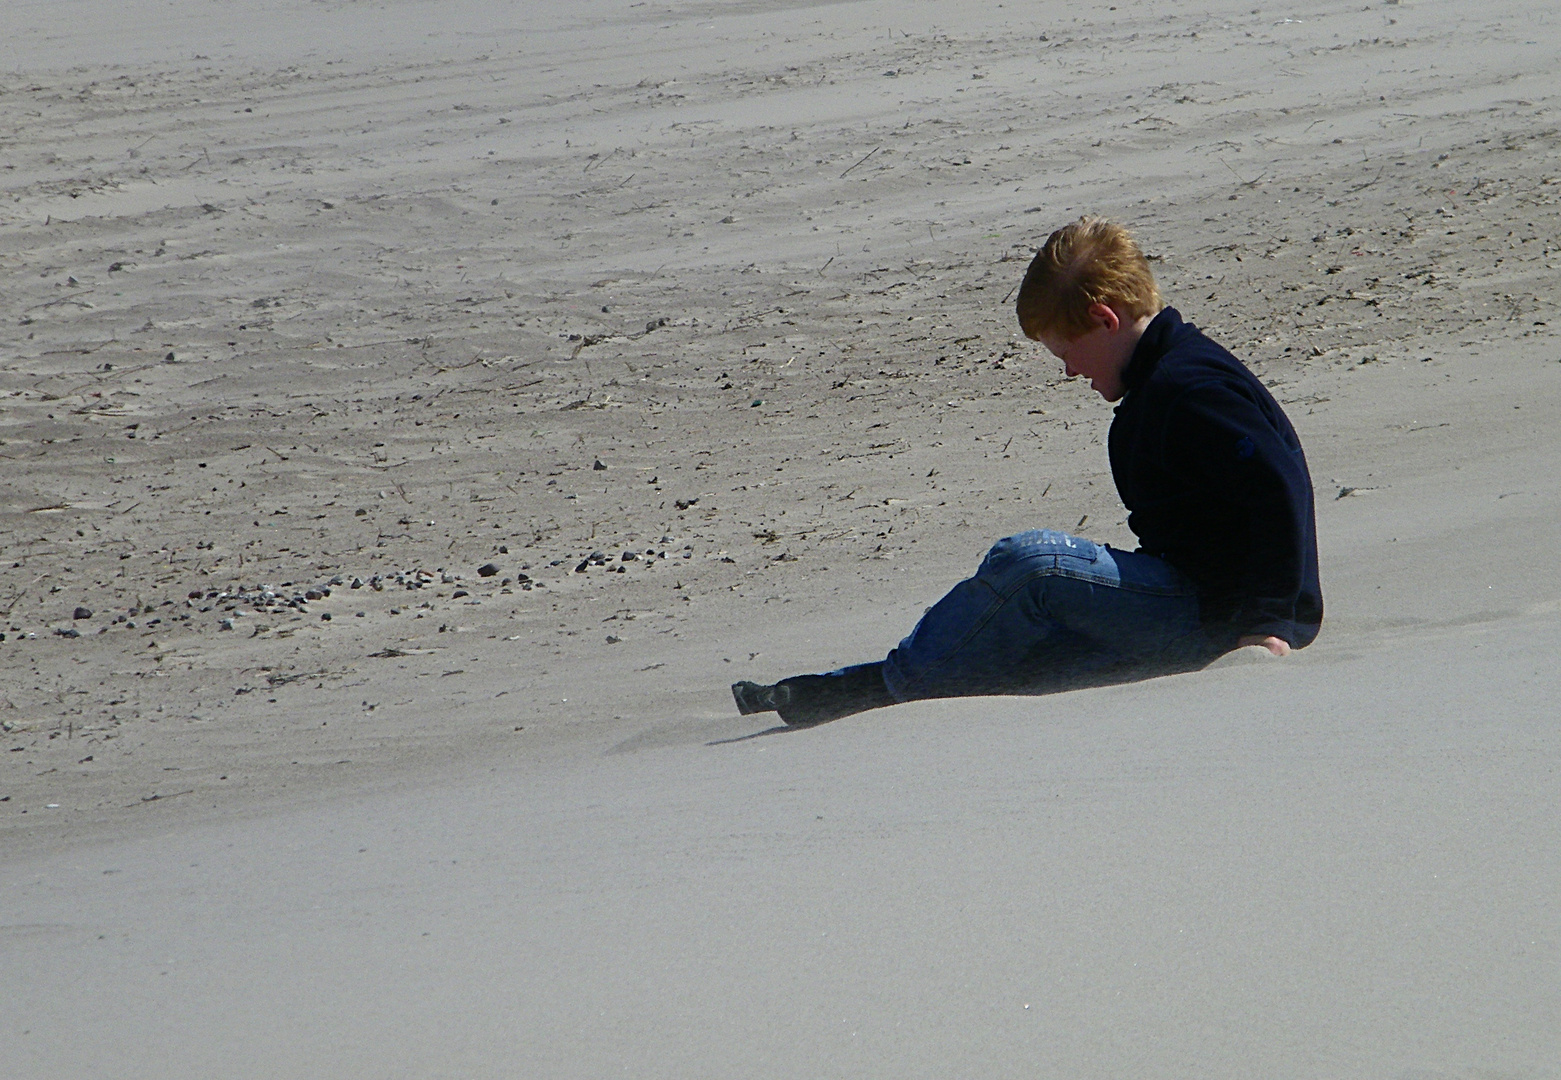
[
  {"x": 487, "y": 570},
  {"x": 82, "y": 613}
]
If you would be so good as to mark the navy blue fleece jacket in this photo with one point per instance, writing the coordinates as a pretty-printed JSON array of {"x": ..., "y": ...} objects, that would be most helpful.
[{"x": 1215, "y": 483}]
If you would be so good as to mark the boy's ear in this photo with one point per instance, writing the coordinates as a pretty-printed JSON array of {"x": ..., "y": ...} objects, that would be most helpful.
[{"x": 1105, "y": 316}]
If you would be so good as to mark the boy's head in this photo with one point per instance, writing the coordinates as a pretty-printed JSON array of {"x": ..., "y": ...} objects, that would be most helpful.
[{"x": 1091, "y": 261}]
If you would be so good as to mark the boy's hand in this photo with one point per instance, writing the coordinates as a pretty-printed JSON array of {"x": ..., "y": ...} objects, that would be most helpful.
[{"x": 1277, "y": 646}]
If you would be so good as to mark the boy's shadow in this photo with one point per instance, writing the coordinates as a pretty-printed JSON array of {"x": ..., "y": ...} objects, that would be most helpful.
[{"x": 778, "y": 729}]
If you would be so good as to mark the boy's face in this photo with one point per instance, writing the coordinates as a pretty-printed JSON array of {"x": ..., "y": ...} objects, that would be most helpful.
[{"x": 1101, "y": 354}]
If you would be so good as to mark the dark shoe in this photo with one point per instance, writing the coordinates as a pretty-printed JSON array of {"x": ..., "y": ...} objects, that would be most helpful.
[
  {"x": 752, "y": 698},
  {"x": 817, "y": 699}
]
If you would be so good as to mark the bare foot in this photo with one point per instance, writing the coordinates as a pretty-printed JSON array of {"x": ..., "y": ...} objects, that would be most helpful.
[{"x": 1277, "y": 646}]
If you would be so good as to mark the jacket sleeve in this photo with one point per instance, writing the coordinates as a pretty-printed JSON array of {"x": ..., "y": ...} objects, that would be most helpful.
[{"x": 1247, "y": 468}]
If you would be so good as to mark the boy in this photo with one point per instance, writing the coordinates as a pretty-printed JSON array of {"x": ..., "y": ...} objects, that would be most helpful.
[{"x": 1217, "y": 492}]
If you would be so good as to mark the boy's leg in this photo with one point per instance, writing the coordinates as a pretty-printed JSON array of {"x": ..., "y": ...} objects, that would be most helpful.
[
  {"x": 814, "y": 699},
  {"x": 1045, "y": 610}
]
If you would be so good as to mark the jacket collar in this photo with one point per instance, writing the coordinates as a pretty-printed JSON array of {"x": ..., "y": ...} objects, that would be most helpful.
[{"x": 1156, "y": 341}]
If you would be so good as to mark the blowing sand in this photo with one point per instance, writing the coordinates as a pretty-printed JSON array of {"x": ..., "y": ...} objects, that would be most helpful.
[{"x": 317, "y": 309}]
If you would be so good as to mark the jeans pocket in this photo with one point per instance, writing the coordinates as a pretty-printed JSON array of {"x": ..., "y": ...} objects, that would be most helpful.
[{"x": 1038, "y": 549}]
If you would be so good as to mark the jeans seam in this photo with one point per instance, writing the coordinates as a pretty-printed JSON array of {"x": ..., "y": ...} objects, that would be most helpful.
[
  {"x": 999, "y": 599},
  {"x": 1098, "y": 579},
  {"x": 975, "y": 627}
]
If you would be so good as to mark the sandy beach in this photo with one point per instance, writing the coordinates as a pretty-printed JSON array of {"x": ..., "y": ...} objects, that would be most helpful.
[{"x": 413, "y": 416}]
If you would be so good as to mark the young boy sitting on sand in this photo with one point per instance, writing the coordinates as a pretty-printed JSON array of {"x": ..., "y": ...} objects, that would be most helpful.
[{"x": 1217, "y": 492}]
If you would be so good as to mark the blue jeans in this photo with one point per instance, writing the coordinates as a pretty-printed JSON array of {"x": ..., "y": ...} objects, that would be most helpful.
[{"x": 1047, "y": 611}]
